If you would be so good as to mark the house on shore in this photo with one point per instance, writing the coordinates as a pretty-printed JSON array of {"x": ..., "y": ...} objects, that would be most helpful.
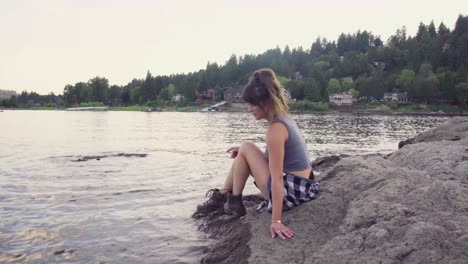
[
  {"x": 209, "y": 95},
  {"x": 297, "y": 76},
  {"x": 344, "y": 98},
  {"x": 177, "y": 98},
  {"x": 380, "y": 65},
  {"x": 400, "y": 97}
]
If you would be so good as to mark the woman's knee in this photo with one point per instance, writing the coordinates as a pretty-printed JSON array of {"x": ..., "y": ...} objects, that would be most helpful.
[{"x": 247, "y": 146}]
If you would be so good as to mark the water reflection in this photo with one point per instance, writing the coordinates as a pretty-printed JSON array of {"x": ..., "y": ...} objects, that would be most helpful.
[{"x": 124, "y": 209}]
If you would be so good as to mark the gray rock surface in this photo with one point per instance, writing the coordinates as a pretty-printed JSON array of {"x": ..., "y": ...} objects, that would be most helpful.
[
  {"x": 408, "y": 207},
  {"x": 452, "y": 130}
]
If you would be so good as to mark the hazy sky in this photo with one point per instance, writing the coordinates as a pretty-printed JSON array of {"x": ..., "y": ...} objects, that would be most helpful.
[{"x": 46, "y": 44}]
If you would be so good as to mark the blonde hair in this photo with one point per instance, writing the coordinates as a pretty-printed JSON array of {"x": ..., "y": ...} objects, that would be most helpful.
[{"x": 264, "y": 87}]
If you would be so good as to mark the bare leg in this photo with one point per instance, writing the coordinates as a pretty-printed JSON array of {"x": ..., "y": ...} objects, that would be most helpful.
[
  {"x": 228, "y": 182},
  {"x": 249, "y": 161}
]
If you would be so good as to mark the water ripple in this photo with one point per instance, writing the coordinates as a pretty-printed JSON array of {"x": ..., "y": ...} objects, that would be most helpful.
[{"x": 143, "y": 175}]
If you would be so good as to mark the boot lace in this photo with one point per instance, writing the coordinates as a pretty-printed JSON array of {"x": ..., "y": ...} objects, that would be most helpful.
[{"x": 210, "y": 194}]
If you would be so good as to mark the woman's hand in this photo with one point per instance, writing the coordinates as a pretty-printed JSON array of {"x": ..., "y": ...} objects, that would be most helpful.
[
  {"x": 281, "y": 230},
  {"x": 233, "y": 151}
]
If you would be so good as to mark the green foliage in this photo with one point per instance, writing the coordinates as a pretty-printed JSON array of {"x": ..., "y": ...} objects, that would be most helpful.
[
  {"x": 311, "y": 90},
  {"x": 393, "y": 105},
  {"x": 410, "y": 108},
  {"x": 373, "y": 105},
  {"x": 170, "y": 91},
  {"x": 334, "y": 86},
  {"x": 129, "y": 108},
  {"x": 283, "y": 80},
  {"x": 164, "y": 94},
  {"x": 10, "y": 103},
  {"x": 353, "y": 64},
  {"x": 347, "y": 85},
  {"x": 461, "y": 90},
  {"x": 32, "y": 100},
  {"x": 446, "y": 108},
  {"x": 354, "y": 93},
  {"x": 99, "y": 88},
  {"x": 306, "y": 105},
  {"x": 322, "y": 65},
  {"x": 296, "y": 89},
  {"x": 91, "y": 104},
  {"x": 426, "y": 84},
  {"x": 406, "y": 79},
  {"x": 136, "y": 95}
]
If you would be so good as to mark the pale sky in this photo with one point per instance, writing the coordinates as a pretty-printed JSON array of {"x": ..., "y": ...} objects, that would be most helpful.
[{"x": 46, "y": 44}]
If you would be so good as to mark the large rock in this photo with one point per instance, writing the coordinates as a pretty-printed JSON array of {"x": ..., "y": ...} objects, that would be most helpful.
[
  {"x": 408, "y": 207},
  {"x": 454, "y": 129}
]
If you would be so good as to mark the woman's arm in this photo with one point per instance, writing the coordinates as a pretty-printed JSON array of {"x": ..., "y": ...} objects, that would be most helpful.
[{"x": 277, "y": 135}]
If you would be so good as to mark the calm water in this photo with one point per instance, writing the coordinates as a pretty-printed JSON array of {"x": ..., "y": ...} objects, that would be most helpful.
[{"x": 133, "y": 209}]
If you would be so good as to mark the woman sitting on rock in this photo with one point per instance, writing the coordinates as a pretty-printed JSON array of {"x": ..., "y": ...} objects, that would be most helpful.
[{"x": 281, "y": 172}]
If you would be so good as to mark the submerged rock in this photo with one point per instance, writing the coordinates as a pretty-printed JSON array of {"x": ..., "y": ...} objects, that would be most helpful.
[
  {"x": 99, "y": 157},
  {"x": 407, "y": 207}
]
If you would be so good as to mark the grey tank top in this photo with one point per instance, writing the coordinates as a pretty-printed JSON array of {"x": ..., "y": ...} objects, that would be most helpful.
[{"x": 296, "y": 155}]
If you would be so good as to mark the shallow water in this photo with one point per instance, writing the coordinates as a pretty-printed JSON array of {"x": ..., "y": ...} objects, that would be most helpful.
[{"x": 67, "y": 194}]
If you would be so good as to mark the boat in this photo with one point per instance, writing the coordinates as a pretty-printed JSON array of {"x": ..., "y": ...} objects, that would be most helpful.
[{"x": 214, "y": 108}]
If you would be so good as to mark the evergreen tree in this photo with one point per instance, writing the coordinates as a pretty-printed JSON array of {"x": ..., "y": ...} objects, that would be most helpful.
[{"x": 431, "y": 30}]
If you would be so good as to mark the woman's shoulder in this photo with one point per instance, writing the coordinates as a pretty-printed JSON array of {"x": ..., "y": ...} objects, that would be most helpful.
[
  {"x": 287, "y": 120},
  {"x": 276, "y": 125},
  {"x": 277, "y": 130}
]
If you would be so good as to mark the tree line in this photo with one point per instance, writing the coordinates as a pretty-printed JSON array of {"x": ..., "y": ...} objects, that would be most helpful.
[{"x": 431, "y": 66}]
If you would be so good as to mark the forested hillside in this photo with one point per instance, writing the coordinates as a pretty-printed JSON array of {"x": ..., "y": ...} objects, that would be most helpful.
[{"x": 431, "y": 66}]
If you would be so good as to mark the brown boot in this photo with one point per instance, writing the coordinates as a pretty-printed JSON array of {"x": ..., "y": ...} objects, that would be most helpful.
[
  {"x": 234, "y": 205},
  {"x": 215, "y": 203}
]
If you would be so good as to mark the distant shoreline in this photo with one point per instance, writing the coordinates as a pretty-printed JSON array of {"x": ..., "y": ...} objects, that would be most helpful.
[{"x": 242, "y": 108}]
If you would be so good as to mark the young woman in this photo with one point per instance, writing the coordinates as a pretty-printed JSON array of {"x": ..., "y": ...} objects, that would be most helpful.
[{"x": 281, "y": 173}]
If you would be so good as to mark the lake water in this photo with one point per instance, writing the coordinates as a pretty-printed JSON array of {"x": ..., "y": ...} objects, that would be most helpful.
[{"x": 58, "y": 205}]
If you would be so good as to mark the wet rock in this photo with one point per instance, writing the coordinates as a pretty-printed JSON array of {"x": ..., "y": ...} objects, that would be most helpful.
[
  {"x": 63, "y": 251},
  {"x": 232, "y": 234},
  {"x": 320, "y": 164},
  {"x": 408, "y": 207},
  {"x": 99, "y": 157},
  {"x": 58, "y": 252}
]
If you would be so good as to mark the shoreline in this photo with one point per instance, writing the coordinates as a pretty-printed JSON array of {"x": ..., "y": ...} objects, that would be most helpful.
[{"x": 229, "y": 109}]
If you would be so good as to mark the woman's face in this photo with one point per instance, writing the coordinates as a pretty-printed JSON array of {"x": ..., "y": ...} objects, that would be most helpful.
[{"x": 257, "y": 111}]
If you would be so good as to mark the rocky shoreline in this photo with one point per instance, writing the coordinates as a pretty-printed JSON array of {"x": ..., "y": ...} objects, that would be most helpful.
[
  {"x": 410, "y": 206},
  {"x": 241, "y": 107}
]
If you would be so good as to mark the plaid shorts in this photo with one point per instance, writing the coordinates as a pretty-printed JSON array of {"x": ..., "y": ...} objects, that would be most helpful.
[{"x": 297, "y": 190}]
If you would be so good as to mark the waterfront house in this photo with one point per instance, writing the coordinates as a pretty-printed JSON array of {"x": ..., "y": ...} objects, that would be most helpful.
[
  {"x": 387, "y": 97},
  {"x": 209, "y": 95},
  {"x": 400, "y": 97},
  {"x": 380, "y": 65},
  {"x": 344, "y": 98},
  {"x": 177, "y": 98},
  {"x": 297, "y": 76}
]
